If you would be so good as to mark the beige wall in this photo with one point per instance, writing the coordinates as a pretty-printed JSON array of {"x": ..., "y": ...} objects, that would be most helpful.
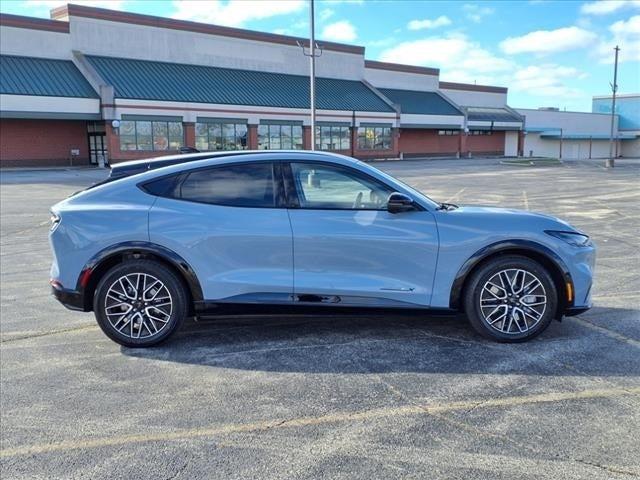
[
  {"x": 476, "y": 99},
  {"x": 116, "y": 39},
  {"x": 402, "y": 80},
  {"x": 571, "y": 149},
  {"x": 511, "y": 144},
  {"x": 27, "y": 42}
]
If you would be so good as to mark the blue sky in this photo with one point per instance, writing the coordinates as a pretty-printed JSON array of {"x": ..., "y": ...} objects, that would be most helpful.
[{"x": 549, "y": 53}]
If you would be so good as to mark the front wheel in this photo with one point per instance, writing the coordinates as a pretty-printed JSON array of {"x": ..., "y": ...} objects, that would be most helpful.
[
  {"x": 140, "y": 303},
  {"x": 510, "y": 299}
]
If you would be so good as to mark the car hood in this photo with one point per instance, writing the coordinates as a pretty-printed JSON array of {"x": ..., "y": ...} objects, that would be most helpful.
[{"x": 509, "y": 217}]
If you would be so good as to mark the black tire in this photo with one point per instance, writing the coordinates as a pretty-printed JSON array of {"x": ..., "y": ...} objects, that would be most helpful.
[
  {"x": 474, "y": 291},
  {"x": 152, "y": 332}
]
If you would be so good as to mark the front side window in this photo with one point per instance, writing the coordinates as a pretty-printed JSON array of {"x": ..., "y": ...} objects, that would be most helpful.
[
  {"x": 374, "y": 138},
  {"x": 279, "y": 137},
  {"x": 151, "y": 135},
  {"x": 333, "y": 137},
  {"x": 211, "y": 136},
  {"x": 329, "y": 187},
  {"x": 243, "y": 185}
]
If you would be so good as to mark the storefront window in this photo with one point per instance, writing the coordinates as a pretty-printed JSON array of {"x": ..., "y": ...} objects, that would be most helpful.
[
  {"x": 447, "y": 132},
  {"x": 221, "y": 136},
  {"x": 150, "y": 135},
  {"x": 374, "y": 138},
  {"x": 480, "y": 132},
  {"x": 333, "y": 137},
  {"x": 279, "y": 137}
]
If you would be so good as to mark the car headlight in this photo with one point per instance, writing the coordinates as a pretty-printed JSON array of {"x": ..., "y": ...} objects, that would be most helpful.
[
  {"x": 572, "y": 238},
  {"x": 55, "y": 221}
]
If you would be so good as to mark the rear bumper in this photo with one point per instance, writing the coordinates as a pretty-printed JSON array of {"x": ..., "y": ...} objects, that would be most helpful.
[{"x": 71, "y": 299}]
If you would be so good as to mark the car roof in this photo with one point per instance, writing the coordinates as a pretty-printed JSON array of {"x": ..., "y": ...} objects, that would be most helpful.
[
  {"x": 176, "y": 163},
  {"x": 204, "y": 160},
  {"x": 134, "y": 167}
]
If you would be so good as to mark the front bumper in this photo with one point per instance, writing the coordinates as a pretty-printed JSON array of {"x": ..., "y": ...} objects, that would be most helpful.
[
  {"x": 71, "y": 299},
  {"x": 573, "y": 311}
]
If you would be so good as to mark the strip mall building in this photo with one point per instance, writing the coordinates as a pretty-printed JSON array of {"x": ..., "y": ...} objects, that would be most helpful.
[{"x": 93, "y": 83}]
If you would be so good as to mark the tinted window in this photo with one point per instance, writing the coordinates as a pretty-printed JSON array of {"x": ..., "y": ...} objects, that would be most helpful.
[
  {"x": 321, "y": 186},
  {"x": 163, "y": 187},
  {"x": 247, "y": 185}
]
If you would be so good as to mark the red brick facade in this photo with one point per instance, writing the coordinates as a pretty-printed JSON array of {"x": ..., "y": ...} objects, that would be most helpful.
[
  {"x": 486, "y": 144},
  {"x": 423, "y": 142},
  {"x": 49, "y": 143},
  {"x": 27, "y": 143}
]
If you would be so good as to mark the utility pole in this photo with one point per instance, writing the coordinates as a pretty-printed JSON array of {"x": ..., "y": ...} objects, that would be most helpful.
[
  {"x": 312, "y": 79},
  {"x": 610, "y": 163},
  {"x": 312, "y": 74}
]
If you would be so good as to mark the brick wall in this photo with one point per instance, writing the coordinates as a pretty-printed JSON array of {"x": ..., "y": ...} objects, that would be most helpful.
[
  {"x": 414, "y": 142},
  {"x": 28, "y": 143},
  {"x": 486, "y": 144}
]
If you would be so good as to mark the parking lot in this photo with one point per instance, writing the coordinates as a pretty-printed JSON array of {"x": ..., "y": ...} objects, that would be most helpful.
[{"x": 304, "y": 397}]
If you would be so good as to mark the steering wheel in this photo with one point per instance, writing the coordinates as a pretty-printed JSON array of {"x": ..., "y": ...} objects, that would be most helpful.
[{"x": 358, "y": 202}]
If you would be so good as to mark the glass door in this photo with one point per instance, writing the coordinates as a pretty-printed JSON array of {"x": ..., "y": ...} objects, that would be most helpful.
[{"x": 97, "y": 143}]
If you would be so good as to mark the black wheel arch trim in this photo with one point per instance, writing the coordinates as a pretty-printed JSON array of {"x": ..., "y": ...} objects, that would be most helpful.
[
  {"x": 506, "y": 246},
  {"x": 141, "y": 247}
]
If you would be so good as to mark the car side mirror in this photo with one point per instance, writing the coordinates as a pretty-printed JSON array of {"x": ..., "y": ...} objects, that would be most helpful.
[{"x": 399, "y": 202}]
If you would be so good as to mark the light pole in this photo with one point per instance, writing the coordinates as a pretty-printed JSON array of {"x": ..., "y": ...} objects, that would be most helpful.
[
  {"x": 312, "y": 77},
  {"x": 312, "y": 73},
  {"x": 610, "y": 163}
]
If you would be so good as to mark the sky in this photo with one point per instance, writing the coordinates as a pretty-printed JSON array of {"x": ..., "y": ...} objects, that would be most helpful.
[{"x": 548, "y": 53}]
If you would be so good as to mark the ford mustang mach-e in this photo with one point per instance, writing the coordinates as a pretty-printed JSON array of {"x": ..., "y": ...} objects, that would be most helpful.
[{"x": 186, "y": 235}]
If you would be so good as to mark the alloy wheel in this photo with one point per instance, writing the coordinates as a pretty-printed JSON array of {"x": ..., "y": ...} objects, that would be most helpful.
[
  {"x": 513, "y": 301},
  {"x": 138, "y": 305}
]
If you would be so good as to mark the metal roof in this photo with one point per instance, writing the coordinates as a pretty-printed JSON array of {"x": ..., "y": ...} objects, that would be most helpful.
[
  {"x": 42, "y": 76},
  {"x": 425, "y": 103},
  {"x": 149, "y": 80},
  {"x": 485, "y": 114}
]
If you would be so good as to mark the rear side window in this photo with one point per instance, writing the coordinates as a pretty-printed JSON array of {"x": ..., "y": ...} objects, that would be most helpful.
[
  {"x": 163, "y": 187},
  {"x": 244, "y": 185}
]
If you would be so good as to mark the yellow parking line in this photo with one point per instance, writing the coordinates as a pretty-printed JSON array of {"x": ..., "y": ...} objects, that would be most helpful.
[
  {"x": 254, "y": 427},
  {"x": 606, "y": 331}
]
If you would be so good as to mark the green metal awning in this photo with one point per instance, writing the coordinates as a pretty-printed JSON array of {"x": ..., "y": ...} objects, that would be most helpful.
[
  {"x": 422, "y": 103},
  {"x": 42, "y": 77},
  {"x": 161, "y": 81}
]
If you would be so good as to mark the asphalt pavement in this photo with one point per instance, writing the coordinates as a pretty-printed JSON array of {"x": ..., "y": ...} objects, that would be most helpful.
[{"x": 310, "y": 397}]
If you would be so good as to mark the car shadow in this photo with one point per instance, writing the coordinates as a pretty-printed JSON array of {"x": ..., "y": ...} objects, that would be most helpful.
[{"x": 398, "y": 343}]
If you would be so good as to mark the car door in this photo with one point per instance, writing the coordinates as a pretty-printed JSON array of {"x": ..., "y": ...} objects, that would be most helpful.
[
  {"x": 229, "y": 222},
  {"x": 348, "y": 248}
]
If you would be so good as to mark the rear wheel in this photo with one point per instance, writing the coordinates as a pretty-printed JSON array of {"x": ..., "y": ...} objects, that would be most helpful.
[
  {"x": 510, "y": 299},
  {"x": 140, "y": 303}
]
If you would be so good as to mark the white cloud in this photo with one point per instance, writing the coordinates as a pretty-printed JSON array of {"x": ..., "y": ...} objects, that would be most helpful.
[
  {"x": 453, "y": 53},
  {"x": 475, "y": 12},
  {"x": 461, "y": 59},
  {"x": 441, "y": 21},
  {"x": 626, "y": 34},
  {"x": 233, "y": 13},
  {"x": 549, "y": 41},
  {"x": 547, "y": 80},
  {"x": 342, "y": 31},
  {"x": 604, "y": 7},
  {"x": 326, "y": 14},
  {"x": 49, "y": 4}
]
